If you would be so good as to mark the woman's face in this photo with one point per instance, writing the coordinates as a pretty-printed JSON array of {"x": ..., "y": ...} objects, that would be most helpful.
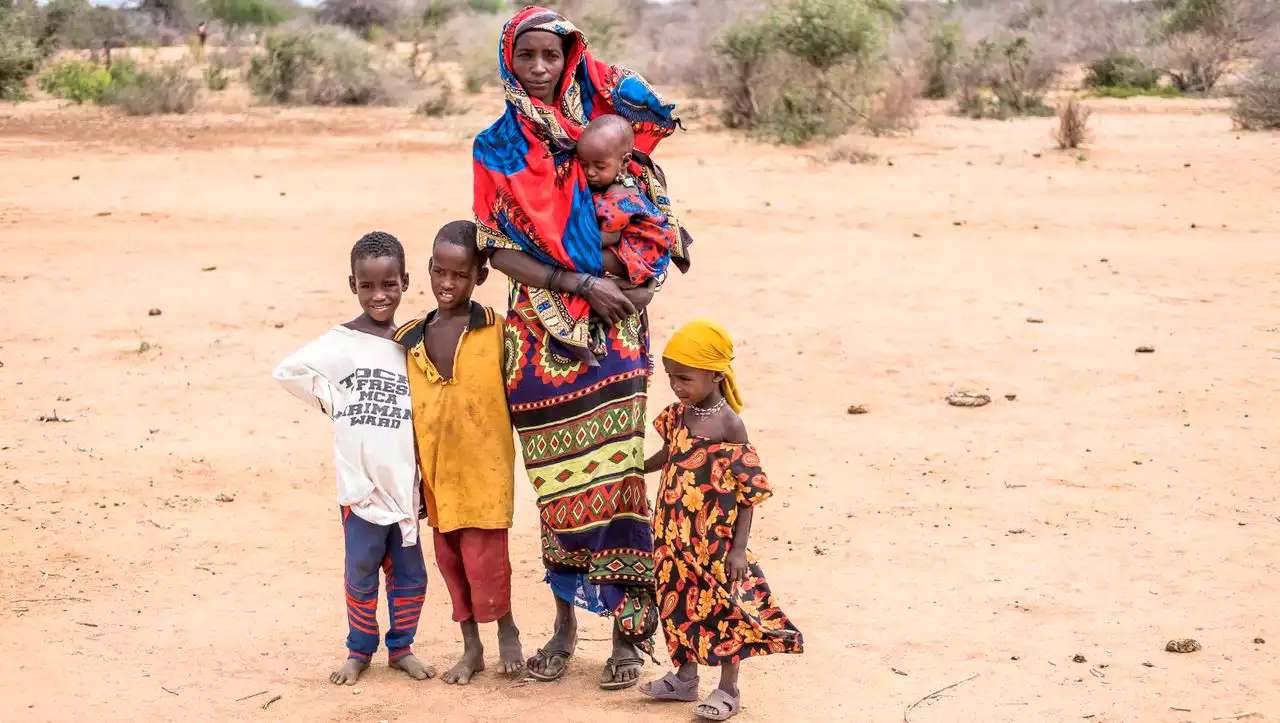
[{"x": 538, "y": 62}]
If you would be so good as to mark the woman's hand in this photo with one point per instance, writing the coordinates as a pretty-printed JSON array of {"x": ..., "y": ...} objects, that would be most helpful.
[{"x": 608, "y": 301}]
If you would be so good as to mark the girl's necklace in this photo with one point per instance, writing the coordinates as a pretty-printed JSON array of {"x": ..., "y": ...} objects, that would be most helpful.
[{"x": 709, "y": 411}]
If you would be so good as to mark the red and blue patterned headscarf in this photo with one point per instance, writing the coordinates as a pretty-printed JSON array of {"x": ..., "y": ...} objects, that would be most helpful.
[{"x": 531, "y": 194}]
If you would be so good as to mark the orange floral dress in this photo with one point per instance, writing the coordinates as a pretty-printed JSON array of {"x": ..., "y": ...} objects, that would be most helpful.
[{"x": 703, "y": 619}]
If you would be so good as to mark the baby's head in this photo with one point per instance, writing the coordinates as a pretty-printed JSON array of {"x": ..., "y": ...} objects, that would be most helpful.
[{"x": 604, "y": 148}]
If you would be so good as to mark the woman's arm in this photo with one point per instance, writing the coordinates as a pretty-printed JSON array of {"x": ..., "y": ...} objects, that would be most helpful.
[{"x": 606, "y": 299}]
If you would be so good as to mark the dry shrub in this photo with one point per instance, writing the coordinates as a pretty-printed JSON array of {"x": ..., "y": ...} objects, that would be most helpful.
[
  {"x": 1073, "y": 125},
  {"x": 846, "y": 151},
  {"x": 325, "y": 66},
  {"x": 1005, "y": 77},
  {"x": 895, "y": 109},
  {"x": 1197, "y": 60},
  {"x": 161, "y": 90},
  {"x": 1257, "y": 99},
  {"x": 18, "y": 62},
  {"x": 440, "y": 100}
]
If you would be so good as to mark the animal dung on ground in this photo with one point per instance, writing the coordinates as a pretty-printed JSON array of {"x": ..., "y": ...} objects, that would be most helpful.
[
  {"x": 857, "y": 409},
  {"x": 1185, "y": 645},
  {"x": 1034, "y": 320},
  {"x": 154, "y": 312},
  {"x": 1078, "y": 658},
  {"x": 1145, "y": 349},
  {"x": 224, "y": 497},
  {"x": 1259, "y": 641},
  {"x": 1011, "y": 397},
  {"x": 968, "y": 399}
]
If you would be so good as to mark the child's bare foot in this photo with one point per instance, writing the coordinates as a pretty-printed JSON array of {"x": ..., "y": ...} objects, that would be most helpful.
[
  {"x": 510, "y": 653},
  {"x": 472, "y": 662},
  {"x": 349, "y": 673},
  {"x": 416, "y": 669}
]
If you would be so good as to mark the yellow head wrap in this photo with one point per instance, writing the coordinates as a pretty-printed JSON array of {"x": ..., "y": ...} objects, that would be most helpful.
[{"x": 706, "y": 345}]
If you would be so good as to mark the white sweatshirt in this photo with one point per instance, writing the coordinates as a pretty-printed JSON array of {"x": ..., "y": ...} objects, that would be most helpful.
[{"x": 360, "y": 381}]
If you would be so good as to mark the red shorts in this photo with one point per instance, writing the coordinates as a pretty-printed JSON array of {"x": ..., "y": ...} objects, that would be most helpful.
[{"x": 476, "y": 568}]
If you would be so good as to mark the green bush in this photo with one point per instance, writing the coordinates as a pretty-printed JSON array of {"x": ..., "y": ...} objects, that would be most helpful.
[
  {"x": 1116, "y": 71},
  {"x": 18, "y": 62},
  {"x": 156, "y": 91},
  {"x": 124, "y": 72},
  {"x": 742, "y": 51},
  {"x": 324, "y": 66},
  {"x": 804, "y": 71},
  {"x": 941, "y": 60},
  {"x": 75, "y": 80},
  {"x": 1124, "y": 92},
  {"x": 1006, "y": 77},
  {"x": 215, "y": 77}
]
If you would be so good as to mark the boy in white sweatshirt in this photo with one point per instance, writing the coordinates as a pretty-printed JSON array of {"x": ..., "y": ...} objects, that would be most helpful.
[{"x": 356, "y": 374}]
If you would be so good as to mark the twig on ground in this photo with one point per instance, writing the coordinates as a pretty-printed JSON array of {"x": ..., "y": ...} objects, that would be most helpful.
[
  {"x": 907, "y": 713},
  {"x": 50, "y": 599},
  {"x": 273, "y": 699},
  {"x": 88, "y": 625},
  {"x": 157, "y": 524},
  {"x": 899, "y": 672},
  {"x": 1238, "y": 716},
  {"x": 254, "y": 695},
  {"x": 202, "y": 567},
  {"x": 170, "y": 692},
  {"x": 1180, "y": 710}
]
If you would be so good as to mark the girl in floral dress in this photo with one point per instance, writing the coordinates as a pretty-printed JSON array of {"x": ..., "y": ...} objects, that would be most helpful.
[{"x": 716, "y": 605}]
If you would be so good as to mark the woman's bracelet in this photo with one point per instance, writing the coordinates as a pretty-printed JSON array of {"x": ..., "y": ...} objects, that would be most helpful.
[
  {"x": 585, "y": 285},
  {"x": 553, "y": 279}
]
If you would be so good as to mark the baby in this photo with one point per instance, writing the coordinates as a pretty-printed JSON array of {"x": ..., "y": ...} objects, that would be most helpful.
[{"x": 636, "y": 237}]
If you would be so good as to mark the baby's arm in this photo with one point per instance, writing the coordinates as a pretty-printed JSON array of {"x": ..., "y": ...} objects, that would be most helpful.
[
  {"x": 305, "y": 374},
  {"x": 657, "y": 461}
]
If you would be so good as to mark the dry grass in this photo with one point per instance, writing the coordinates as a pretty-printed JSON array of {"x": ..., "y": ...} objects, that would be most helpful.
[{"x": 1073, "y": 125}]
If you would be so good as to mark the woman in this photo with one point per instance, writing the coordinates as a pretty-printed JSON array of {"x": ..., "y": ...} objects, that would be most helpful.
[{"x": 577, "y": 344}]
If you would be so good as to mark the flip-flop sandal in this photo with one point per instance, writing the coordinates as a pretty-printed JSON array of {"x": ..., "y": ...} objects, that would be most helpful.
[
  {"x": 547, "y": 656},
  {"x": 724, "y": 705},
  {"x": 670, "y": 687},
  {"x": 609, "y": 681}
]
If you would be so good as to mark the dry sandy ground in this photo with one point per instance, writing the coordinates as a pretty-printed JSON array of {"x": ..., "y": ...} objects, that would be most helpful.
[{"x": 1120, "y": 501}]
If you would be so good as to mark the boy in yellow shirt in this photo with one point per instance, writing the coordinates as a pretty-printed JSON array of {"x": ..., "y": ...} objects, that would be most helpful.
[{"x": 465, "y": 448}]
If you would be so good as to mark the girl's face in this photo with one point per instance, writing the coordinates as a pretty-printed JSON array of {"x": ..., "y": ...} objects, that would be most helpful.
[
  {"x": 691, "y": 386},
  {"x": 538, "y": 62}
]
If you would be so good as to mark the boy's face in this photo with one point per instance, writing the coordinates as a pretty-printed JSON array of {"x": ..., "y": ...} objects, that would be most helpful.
[
  {"x": 379, "y": 283},
  {"x": 691, "y": 386},
  {"x": 455, "y": 273},
  {"x": 601, "y": 161}
]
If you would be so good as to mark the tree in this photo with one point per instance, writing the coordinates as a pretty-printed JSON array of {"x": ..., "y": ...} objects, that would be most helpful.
[
  {"x": 360, "y": 16},
  {"x": 238, "y": 14},
  {"x": 169, "y": 13}
]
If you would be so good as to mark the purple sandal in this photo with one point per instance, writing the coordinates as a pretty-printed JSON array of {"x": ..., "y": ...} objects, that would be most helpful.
[
  {"x": 671, "y": 688},
  {"x": 719, "y": 706}
]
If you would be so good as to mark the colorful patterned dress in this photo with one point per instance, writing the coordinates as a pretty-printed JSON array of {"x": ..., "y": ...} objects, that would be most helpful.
[
  {"x": 645, "y": 237},
  {"x": 703, "y": 619}
]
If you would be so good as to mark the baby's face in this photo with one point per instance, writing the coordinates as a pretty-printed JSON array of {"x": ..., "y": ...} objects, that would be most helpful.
[{"x": 600, "y": 162}]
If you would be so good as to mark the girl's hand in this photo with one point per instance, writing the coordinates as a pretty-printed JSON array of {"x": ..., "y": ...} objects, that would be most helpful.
[
  {"x": 608, "y": 301},
  {"x": 735, "y": 568}
]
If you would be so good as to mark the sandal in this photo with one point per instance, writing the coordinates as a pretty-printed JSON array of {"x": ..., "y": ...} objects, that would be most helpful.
[
  {"x": 723, "y": 705},
  {"x": 609, "y": 681},
  {"x": 671, "y": 687},
  {"x": 545, "y": 657}
]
